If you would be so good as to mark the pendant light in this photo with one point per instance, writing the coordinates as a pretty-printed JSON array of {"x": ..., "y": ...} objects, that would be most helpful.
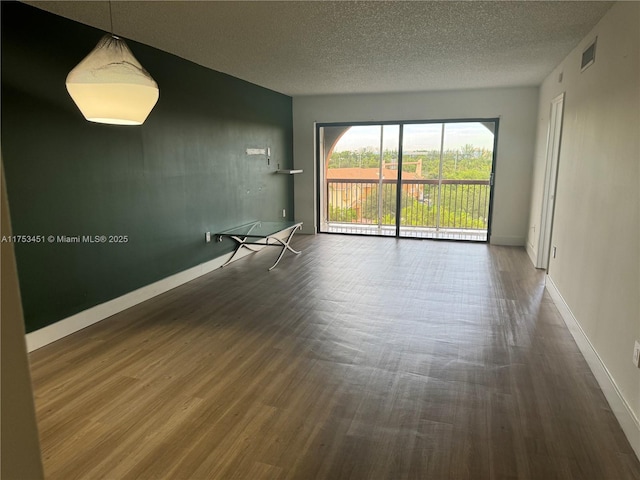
[{"x": 110, "y": 85}]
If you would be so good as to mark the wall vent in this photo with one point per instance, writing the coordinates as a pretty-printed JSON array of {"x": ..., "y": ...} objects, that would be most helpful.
[{"x": 589, "y": 55}]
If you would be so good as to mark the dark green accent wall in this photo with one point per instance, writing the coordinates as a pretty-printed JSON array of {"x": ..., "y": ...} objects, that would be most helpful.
[{"x": 163, "y": 184}]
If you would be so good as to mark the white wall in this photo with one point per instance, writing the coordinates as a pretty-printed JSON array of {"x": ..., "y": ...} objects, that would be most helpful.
[
  {"x": 596, "y": 224},
  {"x": 516, "y": 108}
]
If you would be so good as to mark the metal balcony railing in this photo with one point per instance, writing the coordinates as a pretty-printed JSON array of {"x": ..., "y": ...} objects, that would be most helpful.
[{"x": 439, "y": 204}]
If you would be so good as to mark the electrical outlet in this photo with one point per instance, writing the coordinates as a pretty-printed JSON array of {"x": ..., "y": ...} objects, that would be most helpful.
[
  {"x": 636, "y": 354},
  {"x": 207, "y": 237},
  {"x": 284, "y": 213}
]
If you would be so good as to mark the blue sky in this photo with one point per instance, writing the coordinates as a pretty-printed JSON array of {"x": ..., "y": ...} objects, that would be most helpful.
[{"x": 417, "y": 137}]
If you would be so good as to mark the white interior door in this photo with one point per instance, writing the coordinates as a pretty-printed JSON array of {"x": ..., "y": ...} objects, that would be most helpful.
[{"x": 551, "y": 174}]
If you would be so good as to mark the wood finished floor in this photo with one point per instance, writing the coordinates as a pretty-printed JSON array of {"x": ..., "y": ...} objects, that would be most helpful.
[{"x": 361, "y": 358}]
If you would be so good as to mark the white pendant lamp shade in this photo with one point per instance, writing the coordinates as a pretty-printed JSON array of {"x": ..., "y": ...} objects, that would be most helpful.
[{"x": 110, "y": 85}]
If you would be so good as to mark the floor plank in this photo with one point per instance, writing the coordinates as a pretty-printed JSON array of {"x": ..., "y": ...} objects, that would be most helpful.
[{"x": 361, "y": 358}]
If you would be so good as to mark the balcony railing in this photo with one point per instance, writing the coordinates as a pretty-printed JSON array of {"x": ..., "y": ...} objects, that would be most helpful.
[{"x": 435, "y": 204}]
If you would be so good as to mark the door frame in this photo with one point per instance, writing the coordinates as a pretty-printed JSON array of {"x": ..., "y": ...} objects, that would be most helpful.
[{"x": 554, "y": 141}]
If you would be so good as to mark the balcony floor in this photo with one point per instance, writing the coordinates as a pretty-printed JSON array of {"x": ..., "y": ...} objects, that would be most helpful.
[{"x": 408, "y": 232}]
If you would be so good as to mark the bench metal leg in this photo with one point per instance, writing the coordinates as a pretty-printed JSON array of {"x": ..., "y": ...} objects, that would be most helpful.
[
  {"x": 285, "y": 245},
  {"x": 241, "y": 242}
]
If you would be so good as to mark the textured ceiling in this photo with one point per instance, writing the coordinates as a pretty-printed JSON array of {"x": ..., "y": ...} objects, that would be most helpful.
[{"x": 324, "y": 47}]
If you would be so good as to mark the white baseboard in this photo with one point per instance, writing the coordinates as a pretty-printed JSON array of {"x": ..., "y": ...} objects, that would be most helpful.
[
  {"x": 88, "y": 317},
  {"x": 620, "y": 407},
  {"x": 507, "y": 241}
]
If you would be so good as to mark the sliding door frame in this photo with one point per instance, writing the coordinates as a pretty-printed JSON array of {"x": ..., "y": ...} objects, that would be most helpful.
[{"x": 401, "y": 123}]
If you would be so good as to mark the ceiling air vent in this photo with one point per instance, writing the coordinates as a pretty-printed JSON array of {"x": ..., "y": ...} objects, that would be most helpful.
[{"x": 589, "y": 55}]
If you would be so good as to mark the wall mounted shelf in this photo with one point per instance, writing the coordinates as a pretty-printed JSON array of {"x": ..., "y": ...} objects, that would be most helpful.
[{"x": 289, "y": 172}]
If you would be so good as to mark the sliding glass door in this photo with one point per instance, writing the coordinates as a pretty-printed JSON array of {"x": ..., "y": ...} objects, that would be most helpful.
[
  {"x": 446, "y": 180},
  {"x": 359, "y": 179},
  {"x": 407, "y": 179}
]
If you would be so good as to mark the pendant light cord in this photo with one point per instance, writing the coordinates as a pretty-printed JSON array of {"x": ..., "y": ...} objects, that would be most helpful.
[{"x": 111, "y": 19}]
